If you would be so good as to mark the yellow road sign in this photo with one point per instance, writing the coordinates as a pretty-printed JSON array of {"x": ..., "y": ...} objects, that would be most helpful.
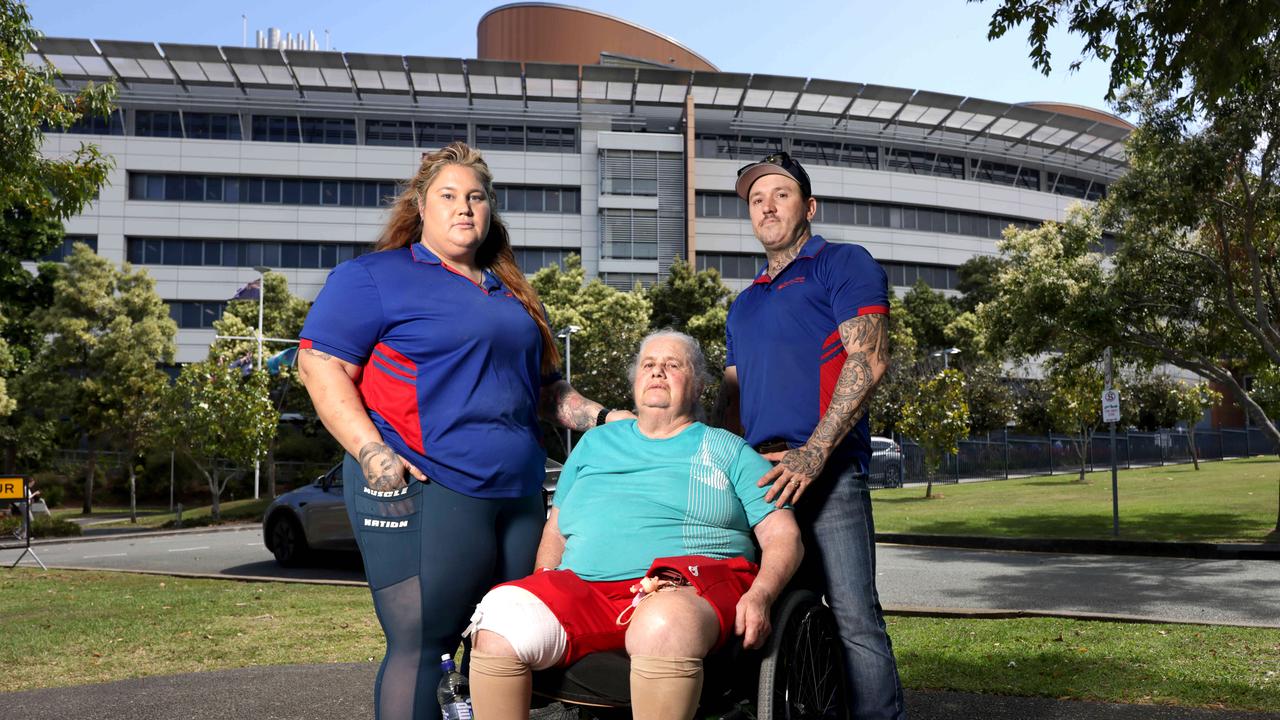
[{"x": 13, "y": 487}]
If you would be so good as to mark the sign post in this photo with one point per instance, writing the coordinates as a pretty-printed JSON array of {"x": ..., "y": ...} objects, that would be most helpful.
[
  {"x": 1111, "y": 416},
  {"x": 18, "y": 487}
]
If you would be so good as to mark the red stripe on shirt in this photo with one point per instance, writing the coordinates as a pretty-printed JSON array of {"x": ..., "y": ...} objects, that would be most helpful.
[{"x": 873, "y": 310}]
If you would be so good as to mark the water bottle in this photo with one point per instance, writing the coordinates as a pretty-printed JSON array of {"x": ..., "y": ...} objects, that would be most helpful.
[{"x": 453, "y": 692}]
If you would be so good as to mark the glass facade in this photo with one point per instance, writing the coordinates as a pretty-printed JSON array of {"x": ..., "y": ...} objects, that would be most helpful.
[
  {"x": 533, "y": 259},
  {"x": 629, "y": 234},
  {"x": 286, "y": 254},
  {"x": 532, "y": 138},
  {"x": 539, "y": 199},
  {"x": 196, "y": 314},
  {"x": 61, "y": 252}
]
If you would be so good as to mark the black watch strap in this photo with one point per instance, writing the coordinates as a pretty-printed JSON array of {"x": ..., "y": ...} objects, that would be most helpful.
[{"x": 602, "y": 416}]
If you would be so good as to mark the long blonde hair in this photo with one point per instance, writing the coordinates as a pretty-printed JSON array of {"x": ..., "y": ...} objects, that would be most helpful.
[{"x": 494, "y": 254}]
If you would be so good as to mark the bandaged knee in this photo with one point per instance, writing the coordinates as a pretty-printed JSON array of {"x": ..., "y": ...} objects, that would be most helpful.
[
  {"x": 665, "y": 687},
  {"x": 525, "y": 622}
]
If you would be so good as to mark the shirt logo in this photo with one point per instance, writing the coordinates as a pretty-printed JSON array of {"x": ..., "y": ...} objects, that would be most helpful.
[
  {"x": 386, "y": 493},
  {"x": 792, "y": 281},
  {"x": 693, "y": 570},
  {"x": 369, "y": 522}
]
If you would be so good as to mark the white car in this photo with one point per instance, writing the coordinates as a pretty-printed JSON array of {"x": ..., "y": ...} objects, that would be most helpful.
[{"x": 886, "y": 462}]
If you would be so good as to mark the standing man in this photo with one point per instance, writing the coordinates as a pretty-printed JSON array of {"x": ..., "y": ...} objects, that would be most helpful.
[{"x": 807, "y": 343}]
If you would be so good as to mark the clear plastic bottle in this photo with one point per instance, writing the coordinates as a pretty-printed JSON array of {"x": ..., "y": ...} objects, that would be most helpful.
[{"x": 453, "y": 692}]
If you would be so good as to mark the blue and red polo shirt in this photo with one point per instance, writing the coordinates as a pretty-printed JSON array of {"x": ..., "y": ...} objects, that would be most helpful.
[
  {"x": 783, "y": 336},
  {"x": 450, "y": 369}
]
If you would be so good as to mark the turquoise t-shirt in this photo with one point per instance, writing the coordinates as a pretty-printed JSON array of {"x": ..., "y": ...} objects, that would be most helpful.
[{"x": 626, "y": 499}]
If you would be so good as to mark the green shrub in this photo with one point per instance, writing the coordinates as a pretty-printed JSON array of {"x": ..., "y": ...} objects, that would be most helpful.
[{"x": 41, "y": 527}]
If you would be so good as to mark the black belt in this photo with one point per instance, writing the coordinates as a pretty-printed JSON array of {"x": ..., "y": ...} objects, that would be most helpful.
[{"x": 772, "y": 446}]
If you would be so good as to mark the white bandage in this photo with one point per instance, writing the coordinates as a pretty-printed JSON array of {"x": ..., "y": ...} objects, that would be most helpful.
[{"x": 525, "y": 622}]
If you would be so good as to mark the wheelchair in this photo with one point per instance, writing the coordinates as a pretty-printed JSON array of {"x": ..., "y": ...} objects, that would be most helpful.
[{"x": 797, "y": 674}]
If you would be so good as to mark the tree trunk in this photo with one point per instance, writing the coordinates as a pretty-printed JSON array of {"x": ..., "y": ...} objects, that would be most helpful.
[
  {"x": 91, "y": 471},
  {"x": 928, "y": 488},
  {"x": 133, "y": 492},
  {"x": 271, "y": 468},
  {"x": 11, "y": 459},
  {"x": 215, "y": 490},
  {"x": 1191, "y": 445}
]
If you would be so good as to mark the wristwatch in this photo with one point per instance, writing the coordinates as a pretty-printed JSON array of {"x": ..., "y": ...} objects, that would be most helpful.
[{"x": 603, "y": 416}]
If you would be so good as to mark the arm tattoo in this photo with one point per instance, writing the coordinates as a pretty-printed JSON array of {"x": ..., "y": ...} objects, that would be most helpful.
[
  {"x": 561, "y": 404},
  {"x": 317, "y": 354},
  {"x": 382, "y": 468},
  {"x": 866, "y": 341}
]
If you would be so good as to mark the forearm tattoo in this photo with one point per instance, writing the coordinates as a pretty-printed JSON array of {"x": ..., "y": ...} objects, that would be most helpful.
[
  {"x": 561, "y": 404},
  {"x": 317, "y": 354},
  {"x": 382, "y": 468},
  {"x": 866, "y": 341}
]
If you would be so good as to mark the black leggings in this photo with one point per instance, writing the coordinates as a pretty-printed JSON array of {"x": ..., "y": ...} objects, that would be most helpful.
[{"x": 430, "y": 554}]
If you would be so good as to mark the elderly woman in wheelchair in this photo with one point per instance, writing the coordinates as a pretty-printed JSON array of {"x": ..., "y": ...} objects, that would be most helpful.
[{"x": 650, "y": 547}]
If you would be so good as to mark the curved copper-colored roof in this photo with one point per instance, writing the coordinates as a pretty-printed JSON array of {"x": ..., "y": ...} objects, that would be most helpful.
[
  {"x": 551, "y": 33},
  {"x": 1080, "y": 111}
]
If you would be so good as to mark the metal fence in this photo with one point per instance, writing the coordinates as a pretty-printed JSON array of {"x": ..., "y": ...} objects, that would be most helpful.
[{"x": 999, "y": 456}]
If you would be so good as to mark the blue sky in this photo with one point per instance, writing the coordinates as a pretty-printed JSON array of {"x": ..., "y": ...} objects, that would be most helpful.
[{"x": 938, "y": 45}]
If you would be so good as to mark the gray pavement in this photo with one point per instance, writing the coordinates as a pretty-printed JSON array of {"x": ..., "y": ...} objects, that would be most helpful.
[{"x": 344, "y": 692}]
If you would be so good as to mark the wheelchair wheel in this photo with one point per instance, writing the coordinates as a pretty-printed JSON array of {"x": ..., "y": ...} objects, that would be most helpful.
[{"x": 802, "y": 673}]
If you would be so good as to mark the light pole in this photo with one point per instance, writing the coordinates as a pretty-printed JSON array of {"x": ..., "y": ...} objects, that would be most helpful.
[
  {"x": 946, "y": 356},
  {"x": 262, "y": 294},
  {"x": 567, "y": 334}
]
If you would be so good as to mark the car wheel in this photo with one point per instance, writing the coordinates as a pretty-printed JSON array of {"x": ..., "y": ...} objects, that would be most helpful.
[{"x": 288, "y": 543}]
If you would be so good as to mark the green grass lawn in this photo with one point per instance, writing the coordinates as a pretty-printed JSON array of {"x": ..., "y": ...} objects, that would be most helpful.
[
  {"x": 1229, "y": 501},
  {"x": 71, "y": 627},
  {"x": 230, "y": 511}
]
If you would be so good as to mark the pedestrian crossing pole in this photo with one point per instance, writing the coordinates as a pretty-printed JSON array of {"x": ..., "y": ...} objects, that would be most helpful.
[{"x": 1111, "y": 415}]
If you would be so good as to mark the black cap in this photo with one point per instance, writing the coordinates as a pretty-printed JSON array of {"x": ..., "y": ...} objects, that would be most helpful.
[{"x": 778, "y": 163}]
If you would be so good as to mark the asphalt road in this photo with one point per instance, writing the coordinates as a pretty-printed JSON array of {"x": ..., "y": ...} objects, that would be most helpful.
[{"x": 1231, "y": 591}]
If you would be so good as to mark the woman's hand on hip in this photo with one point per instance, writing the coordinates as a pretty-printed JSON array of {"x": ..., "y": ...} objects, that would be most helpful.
[{"x": 383, "y": 469}]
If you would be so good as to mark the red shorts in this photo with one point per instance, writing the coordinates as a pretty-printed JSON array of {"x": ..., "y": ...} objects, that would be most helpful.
[{"x": 589, "y": 611}]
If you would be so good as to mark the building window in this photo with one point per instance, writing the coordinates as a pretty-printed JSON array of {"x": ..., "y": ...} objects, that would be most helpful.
[
  {"x": 918, "y": 162},
  {"x": 112, "y": 124},
  {"x": 736, "y": 147},
  {"x": 538, "y": 199},
  {"x": 1076, "y": 187},
  {"x": 532, "y": 138},
  {"x": 434, "y": 135},
  {"x": 157, "y": 123},
  {"x": 196, "y": 314},
  {"x": 329, "y": 131},
  {"x": 732, "y": 266},
  {"x": 241, "y": 253},
  {"x": 533, "y": 259},
  {"x": 276, "y": 128},
  {"x": 397, "y": 133},
  {"x": 836, "y": 154},
  {"x": 60, "y": 253},
  {"x": 938, "y": 277},
  {"x": 626, "y": 281},
  {"x": 211, "y": 126},
  {"x": 722, "y": 205},
  {"x": 629, "y": 172},
  {"x": 176, "y": 187},
  {"x": 629, "y": 234},
  {"x": 1003, "y": 174}
]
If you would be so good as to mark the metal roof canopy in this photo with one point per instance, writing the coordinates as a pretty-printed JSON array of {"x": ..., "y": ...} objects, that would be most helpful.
[
  {"x": 828, "y": 97},
  {"x": 548, "y": 81},
  {"x": 259, "y": 67},
  {"x": 500, "y": 78},
  {"x": 773, "y": 92},
  {"x": 719, "y": 88},
  {"x": 608, "y": 84},
  {"x": 378, "y": 73},
  {"x": 660, "y": 86},
  {"x": 198, "y": 64},
  {"x": 74, "y": 57},
  {"x": 136, "y": 60},
  {"x": 318, "y": 69},
  {"x": 437, "y": 76}
]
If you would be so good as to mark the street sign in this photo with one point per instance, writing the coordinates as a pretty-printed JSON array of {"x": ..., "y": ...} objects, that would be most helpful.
[
  {"x": 1110, "y": 406},
  {"x": 13, "y": 488}
]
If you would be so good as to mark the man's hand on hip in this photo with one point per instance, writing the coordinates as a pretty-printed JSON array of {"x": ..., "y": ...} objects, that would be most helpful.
[{"x": 795, "y": 471}]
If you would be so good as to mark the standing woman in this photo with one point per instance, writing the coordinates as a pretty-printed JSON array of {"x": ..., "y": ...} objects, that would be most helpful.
[{"x": 430, "y": 361}]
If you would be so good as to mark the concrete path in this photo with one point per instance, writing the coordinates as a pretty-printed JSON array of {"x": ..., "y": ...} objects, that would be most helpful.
[{"x": 344, "y": 692}]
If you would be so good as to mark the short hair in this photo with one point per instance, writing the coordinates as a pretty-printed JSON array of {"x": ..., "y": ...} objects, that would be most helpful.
[{"x": 697, "y": 360}]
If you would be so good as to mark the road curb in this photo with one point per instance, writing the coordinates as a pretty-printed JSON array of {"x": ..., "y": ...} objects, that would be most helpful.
[
  {"x": 98, "y": 537},
  {"x": 1067, "y": 546}
]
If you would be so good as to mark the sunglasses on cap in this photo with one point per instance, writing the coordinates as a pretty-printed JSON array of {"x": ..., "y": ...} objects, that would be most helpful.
[{"x": 780, "y": 160}]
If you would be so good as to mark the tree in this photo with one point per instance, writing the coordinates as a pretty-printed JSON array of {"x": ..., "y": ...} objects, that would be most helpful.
[
  {"x": 7, "y": 403},
  {"x": 1190, "y": 402},
  {"x": 1075, "y": 405},
  {"x": 1210, "y": 46},
  {"x": 612, "y": 324},
  {"x": 96, "y": 374},
  {"x": 37, "y": 194},
  {"x": 1150, "y": 401},
  {"x": 903, "y": 376},
  {"x": 221, "y": 421},
  {"x": 977, "y": 281},
  {"x": 282, "y": 316},
  {"x": 937, "y": 418},
  {"x": 697, "y": 304},
  {"x": 927, "y": 316},
  {"x": 988, "y": 395}
]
